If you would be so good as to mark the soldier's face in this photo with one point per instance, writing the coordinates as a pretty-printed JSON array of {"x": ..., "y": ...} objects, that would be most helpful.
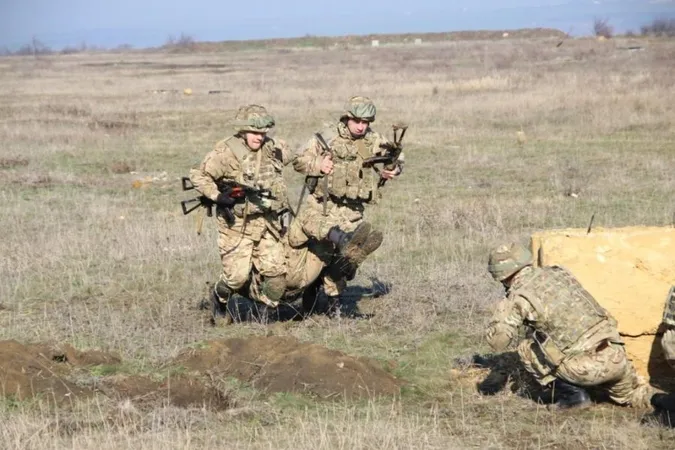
[
  {"x": 254, "y": 140},
  {"x": 357, "y": 127}
]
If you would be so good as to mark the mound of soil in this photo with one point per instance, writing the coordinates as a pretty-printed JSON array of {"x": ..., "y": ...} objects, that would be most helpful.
[
  {"x": 182, "y": 391},
  {"x": 45, "y": 371},
  {"x": 284, "y": 364},
  {"x": 30, "y": 370}
]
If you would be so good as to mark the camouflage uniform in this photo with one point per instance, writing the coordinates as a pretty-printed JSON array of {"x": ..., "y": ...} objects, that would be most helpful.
[
  {"x": 253, "y": 240},
  {"x": 668, "y": 338},
  {"x": 350, "y": 185},
  {"x": 570, "y": 336}
]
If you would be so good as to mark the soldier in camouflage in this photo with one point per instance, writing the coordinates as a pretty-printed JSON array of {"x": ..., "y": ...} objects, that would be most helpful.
[
  {"x": 572, "y": 344},
  {"x": 253, "y": 241},
  {"x": 333, "y": 213},
  {"x": 666, "y": 402}
]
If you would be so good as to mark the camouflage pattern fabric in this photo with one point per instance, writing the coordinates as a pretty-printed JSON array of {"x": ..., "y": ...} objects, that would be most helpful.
[
  {"x": 606, "y": 366},
  {"x": 253, "y": 118},
  {"x": 253, "y": 239},
  {"x": 306, "y": 263},
  {"x": 239, "y": 254},
  {"x": 566, "y": 312},
  {"x": 311, "y": 223},
  {"x": 359, "y": 107},
  {"x": 669, "y": 309},
  {"x": 590, "y": 354},
  {"x": 668, "y": 345}
]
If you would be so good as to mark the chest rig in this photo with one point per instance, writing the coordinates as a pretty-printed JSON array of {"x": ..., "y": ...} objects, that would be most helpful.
[
  {"x": 349, "y": 179},
  {"x": 566, "y": 312},
  {"x": 262, "y": 168}
]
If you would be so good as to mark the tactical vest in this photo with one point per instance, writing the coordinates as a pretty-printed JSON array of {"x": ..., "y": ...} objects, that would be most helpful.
[
  {"x": 566, "y": 312},
  {"x": 349, "y": 179},
  {"x": 270, "y": 173}
]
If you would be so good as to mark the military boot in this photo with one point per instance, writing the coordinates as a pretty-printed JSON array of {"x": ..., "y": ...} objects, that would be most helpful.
[
  {"x": 566, "y": 395},
  {"x": 348, "y": 243},
  {"x": 220, "y": 295},
  {"x": 372, "y": 243},
  {"x": 663, "y": 402}
]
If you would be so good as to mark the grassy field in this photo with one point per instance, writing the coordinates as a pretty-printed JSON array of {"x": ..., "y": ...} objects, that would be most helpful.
[{"x": 506, "y": 137}]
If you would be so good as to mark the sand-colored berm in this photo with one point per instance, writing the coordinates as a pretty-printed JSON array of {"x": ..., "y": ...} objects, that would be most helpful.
[{"x": 629, "y": 271}]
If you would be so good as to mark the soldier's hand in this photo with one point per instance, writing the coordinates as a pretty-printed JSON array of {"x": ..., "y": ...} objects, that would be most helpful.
[
  {"x": 326, "y": 165},
  {"x": 389, "y": 174}
]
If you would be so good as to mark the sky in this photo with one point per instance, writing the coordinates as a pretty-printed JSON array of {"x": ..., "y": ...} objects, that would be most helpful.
[{"x": 143, "y": 23}]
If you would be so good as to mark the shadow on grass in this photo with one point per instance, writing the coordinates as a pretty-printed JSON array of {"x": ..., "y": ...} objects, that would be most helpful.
[{"x": 312, "y": 302}]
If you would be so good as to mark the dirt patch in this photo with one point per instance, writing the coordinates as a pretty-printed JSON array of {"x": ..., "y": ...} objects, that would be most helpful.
[
  {"x": 47, "y": 372},
  {"x": 9, "y": 163},
  {"x": 284, "y": 364},
  {"x": 27, "y": 371},
  {"x": 181, "y": 391}
]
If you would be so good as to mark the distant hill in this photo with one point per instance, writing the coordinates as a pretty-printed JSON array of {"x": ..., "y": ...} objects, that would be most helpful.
[{"x": 357, "y": 40}]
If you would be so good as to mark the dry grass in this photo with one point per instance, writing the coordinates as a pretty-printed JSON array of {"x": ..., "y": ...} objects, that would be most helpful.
[{"x": 502, "y": 132}]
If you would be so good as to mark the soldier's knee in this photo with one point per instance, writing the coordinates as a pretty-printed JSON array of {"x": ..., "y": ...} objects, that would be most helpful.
[
  {"x": 274, "y": 287},
  {"x": 235, "y": 279}
]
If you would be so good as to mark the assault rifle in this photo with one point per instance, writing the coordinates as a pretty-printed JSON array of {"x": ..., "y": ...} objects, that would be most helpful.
[
  {"x": 235, "y": 190},
  {"x": 329, "y": 151},
  {"x": 394, "y": 149}
]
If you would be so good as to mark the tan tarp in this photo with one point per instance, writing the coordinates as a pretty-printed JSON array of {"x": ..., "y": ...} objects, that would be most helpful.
[{"x": 629, "y": 271}]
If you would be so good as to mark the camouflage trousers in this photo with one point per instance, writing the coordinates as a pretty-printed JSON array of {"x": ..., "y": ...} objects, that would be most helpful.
[
  {"x": 239, "y": 253},
  {"x": 305, "y": 264},
  {"x": 605, "y": 367},
  {"x": 311, "y": 223},
  {"x": 309, "y": 251}
]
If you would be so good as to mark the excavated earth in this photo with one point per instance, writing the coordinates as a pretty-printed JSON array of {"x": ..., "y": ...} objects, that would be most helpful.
[
  {"x": 284, "y": 364},
  {"x": 56, "y": 374},
  {"x": 61, "y": 373}
]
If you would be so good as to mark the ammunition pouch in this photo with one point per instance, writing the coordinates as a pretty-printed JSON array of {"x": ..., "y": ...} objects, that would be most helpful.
[{"x": 553, "y": 354}]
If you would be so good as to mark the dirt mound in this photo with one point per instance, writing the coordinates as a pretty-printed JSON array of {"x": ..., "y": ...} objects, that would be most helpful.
[
  {"x": 30, "y": 370},
  {"x": 284, "y": 364},
  {"x": 181, "y": 391},
  {"x": 45, "y": 371}
]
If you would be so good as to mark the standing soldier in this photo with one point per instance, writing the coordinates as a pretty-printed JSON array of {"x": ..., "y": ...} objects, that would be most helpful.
[
  {"x": 573, "y": 343},
  {"x": 253, "y": 238},
  {"x": 344, "y": 182}
]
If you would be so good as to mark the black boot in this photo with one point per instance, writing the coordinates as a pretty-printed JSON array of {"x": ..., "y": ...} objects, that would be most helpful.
[
  {"x": 566, "y": 395},
  {"x": 663, "y": 402},
  {"x": 346, "y": 241}
]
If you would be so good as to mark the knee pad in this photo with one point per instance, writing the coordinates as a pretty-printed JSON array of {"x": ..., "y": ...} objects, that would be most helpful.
[{"x": 274, "y": 287}]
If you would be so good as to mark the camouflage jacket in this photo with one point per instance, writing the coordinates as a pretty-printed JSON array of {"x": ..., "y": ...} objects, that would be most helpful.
[
  {"x": 349, "y": 180},
  {"x": 560, "y": 315},
  {"x": 231, "y": 159}
]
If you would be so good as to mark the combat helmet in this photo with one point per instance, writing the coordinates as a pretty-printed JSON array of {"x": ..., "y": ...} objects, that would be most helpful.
[
  {"x": 359, "y": 107},
  {"x": 506, "y": 260},
  {"x": 253, "y": 118}
]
